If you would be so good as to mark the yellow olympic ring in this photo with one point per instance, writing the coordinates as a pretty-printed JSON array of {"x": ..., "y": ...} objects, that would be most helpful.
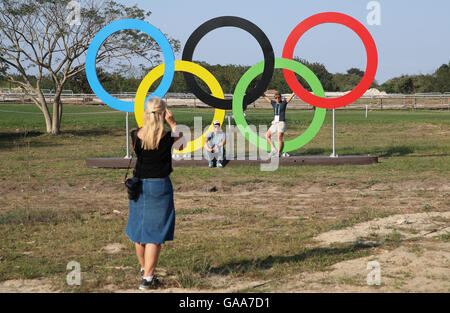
[{"x": 182, "y": 66}]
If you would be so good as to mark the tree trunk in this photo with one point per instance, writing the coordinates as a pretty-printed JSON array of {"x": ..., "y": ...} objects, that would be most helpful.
[
  {"x": 57, "y": 105},
  {"x": 48, "y": 122},
  {"x": 42, "y": 105},
  {"x": 57, "y": 114}
]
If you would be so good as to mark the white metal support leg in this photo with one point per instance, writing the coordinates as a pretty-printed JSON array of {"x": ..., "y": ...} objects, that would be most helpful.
[
  {"x": 230, "y": 140},
  {"x": 334, "y": 155},
  {"x": 128, "y": 156}
]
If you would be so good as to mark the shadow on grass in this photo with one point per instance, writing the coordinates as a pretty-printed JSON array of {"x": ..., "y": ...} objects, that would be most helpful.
[
  {"x": 312, "y": 151},
  {"x": 317, "y": 257},
  {"x": 429, "y": 155},
  {"x": 89, "y": 132},
  {"x": 380, "y": 151},
  {"x": 8, "y": 140},
  {"x": 398, "y": 151},
  {"x": 19, "y": 135},
  {"x": 389, "y": 151}
]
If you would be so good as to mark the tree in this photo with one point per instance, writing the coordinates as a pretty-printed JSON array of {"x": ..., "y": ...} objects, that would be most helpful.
[
  {"x": 3, "y": 69},
  {"x": 325, "y": 77},
  {"x": 345, "y": 82},
  {"x": 36, "y": 40},
  {"x": 425, "y": 83},
  {"x": 406, "y": 85},
  {"x": 443, "y": 78},
  {"x": 355, "y": 71}
]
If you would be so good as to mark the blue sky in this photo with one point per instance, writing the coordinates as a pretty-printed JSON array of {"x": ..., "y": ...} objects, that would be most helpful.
[{"x": 413, "y": 38}]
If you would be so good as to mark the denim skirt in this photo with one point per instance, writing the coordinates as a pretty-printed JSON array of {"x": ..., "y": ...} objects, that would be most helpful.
[{"x": 152, "y": 215}]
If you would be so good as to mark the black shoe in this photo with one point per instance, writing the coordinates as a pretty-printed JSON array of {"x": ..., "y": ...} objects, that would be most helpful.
[
  {"x": 142, "y": 272},
  {"x": 153, "y": 284}
]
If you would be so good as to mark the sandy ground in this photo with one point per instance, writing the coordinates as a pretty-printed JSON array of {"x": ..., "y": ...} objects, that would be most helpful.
[
  {"x": 27, "y": 286},
  {"x": 418, "y": 265},
  {"x": 418, "y": 225}
]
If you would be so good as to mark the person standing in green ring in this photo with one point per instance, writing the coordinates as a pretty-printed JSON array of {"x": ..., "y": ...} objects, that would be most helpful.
[{"x": 279, "y": 122}]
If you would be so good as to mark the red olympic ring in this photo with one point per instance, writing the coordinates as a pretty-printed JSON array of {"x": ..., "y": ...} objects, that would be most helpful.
[{"x": 372, "y": 59}]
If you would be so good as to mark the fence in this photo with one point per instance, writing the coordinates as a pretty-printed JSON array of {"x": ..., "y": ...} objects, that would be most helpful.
[{"x": 372, "y": 102}]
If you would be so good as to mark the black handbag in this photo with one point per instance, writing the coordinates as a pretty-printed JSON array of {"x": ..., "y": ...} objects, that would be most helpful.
[{"x": 134, "y": 183}]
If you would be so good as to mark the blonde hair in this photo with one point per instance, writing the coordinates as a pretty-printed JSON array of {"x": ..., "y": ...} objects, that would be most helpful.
[{"x": 153, "y": 123}]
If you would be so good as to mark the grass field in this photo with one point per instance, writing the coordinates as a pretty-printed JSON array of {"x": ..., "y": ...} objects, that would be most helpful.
[{"x": 257, "y": 232}]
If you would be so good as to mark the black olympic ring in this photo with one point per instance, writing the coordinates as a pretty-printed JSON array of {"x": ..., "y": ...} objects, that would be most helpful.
[{"x": 255, "y": 31}]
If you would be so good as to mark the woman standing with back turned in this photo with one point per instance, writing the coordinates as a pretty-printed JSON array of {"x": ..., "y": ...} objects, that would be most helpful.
[{"x": 151, "y": 220}]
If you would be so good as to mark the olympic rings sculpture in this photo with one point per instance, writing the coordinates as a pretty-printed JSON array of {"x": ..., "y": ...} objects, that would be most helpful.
[{"x": 240, "y": 98}]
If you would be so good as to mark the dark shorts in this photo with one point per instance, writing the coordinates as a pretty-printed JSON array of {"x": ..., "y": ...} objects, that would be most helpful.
[{"x": 152, "y": 215}]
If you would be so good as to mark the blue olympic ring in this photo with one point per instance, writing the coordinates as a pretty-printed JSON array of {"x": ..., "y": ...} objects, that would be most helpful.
[{"x": 156, "y": 34}]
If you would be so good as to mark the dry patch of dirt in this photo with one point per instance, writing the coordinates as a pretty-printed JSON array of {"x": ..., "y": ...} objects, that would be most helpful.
[
  {"x": 113, "y": 248},
  {"x": 233, "y": 287},
  {"x": 419, "y": 265},
  {"x": 407, "y": 225},
  {"x": 40, "y": 285},
  {"x": 414, "y": 267}
]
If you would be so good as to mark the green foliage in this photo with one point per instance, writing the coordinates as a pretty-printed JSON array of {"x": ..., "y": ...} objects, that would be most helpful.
[
  {"x": 443, "y": 78},
  {"x": 356, "y": 72},
  {"x": 345, "y": 82},
  {"x": 439, "y": 81},
  {"x": 325, "y": 77},
  {"x": 229, "y": 75}
]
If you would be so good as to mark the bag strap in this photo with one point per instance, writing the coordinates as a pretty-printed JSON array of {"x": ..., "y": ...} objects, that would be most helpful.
[{"x": 131, "y": 159}]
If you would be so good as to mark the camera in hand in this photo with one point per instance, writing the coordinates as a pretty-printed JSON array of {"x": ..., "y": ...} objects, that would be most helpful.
[{"x": 133, "y": 185}]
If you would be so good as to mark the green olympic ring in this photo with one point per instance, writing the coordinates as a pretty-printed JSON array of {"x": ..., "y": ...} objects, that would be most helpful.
[{"x": 249, "y": 76}]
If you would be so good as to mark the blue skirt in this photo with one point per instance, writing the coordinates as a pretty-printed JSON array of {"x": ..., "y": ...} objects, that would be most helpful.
[{"x": 152, "y": 215}]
